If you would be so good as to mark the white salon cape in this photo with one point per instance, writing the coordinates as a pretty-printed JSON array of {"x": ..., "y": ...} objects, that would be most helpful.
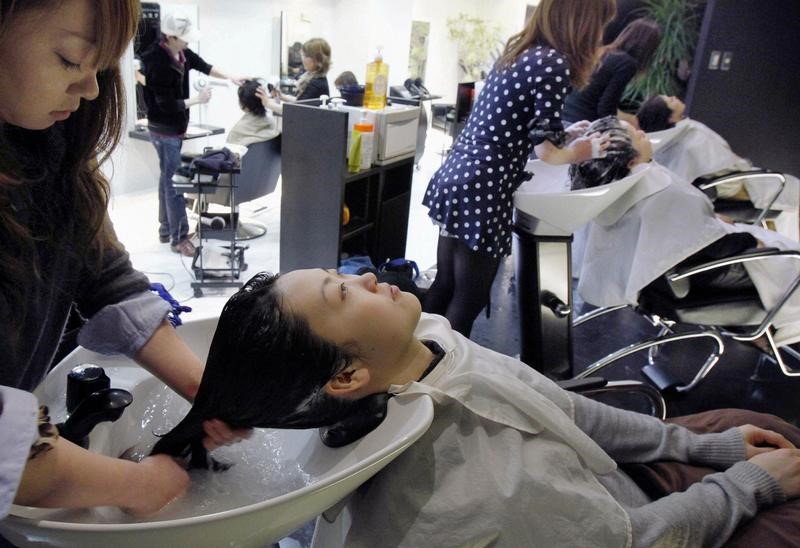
[
  {"x": 502, "y": 464},
  {"x": 646, "y": 233},
  {"x": 691, "y": 149}
]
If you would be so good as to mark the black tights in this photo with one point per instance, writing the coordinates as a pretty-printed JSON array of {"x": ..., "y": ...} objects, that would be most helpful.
[{"x": 463, "y": 283}]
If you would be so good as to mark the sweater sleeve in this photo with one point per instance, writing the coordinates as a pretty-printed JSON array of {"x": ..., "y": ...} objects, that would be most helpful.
[
  {"x": 18, "y": 431},
  {"x": 116, "y": 299},
  {"x": 621, "y": 70},
  {"x": 195, "y": 62},
  {"x": 707, "y": 513},
  {"x": 632, "y": 437}
]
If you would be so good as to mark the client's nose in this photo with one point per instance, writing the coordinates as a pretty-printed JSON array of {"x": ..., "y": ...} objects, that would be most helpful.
[{"x": 370, "y": 280}]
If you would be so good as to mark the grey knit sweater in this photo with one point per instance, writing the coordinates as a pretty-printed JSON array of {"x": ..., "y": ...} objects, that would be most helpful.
[{"x": 705, "y": 514}]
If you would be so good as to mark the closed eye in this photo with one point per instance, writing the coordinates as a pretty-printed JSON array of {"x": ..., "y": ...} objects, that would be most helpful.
[
  {"x": 343, "y": 290},
  {"x": 69, "y": 65}
]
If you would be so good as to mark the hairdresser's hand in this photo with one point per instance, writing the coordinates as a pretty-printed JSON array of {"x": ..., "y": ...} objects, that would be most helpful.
[
  {"x": 262, "y": 94},
  {"x": 784, "y": 466},
  {"x": 759, "y": 440},
  {"x": 588, "y": 147},
  {"x": 576, "y": 130},
  {"x": 158, "y": 480},
  {"x": 239, "y": 80},
  {"x": 218, "y": 434},
  {"x": 204, "y": 96}
]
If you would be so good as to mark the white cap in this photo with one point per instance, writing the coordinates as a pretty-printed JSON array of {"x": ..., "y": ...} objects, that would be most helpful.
[{"x": 179, "y": 25}]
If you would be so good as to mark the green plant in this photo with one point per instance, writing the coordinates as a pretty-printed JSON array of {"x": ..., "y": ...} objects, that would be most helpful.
[
  {"x": 679, "y": 21},
  {"x": 478, "y": 44}
]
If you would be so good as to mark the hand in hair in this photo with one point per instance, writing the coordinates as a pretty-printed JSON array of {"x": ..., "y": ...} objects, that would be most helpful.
[{"x": 218, "y": 434}]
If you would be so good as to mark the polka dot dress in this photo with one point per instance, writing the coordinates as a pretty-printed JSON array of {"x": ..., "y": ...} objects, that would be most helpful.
[{"x": 470, "y": 196}]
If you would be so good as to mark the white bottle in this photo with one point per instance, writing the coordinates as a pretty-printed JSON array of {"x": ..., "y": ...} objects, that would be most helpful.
[{"x": 367, "y": 131}]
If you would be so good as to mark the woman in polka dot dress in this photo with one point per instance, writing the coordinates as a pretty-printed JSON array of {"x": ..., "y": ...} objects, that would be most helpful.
[{"x": 519, "y": 109}]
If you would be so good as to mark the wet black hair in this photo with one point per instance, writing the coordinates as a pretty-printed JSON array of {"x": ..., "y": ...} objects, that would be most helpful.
[
  {"x": 248, "y": 99},
  {"x": 654, "y": 114},
  {"x": 266, "y": 368},
  {"x": 614, "y": 166}
]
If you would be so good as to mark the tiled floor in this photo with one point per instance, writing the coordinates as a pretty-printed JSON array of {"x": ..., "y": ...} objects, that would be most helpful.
[{"x": 739, "y": 380}]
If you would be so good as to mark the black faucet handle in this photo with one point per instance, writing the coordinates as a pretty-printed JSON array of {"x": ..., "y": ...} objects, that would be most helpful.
[
  {"x": 103, "y": 405},
  {"x": 82, "y": 380}
]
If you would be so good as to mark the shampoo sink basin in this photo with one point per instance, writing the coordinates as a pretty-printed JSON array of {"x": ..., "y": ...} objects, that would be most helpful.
[
  {"x": 280, "y": 479},
  {"x": 556, "y": 210}
]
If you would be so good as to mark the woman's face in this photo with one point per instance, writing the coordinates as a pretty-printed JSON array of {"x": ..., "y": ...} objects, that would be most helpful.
[
  {"x": 641, "y": 143},
  {"x": 377, "y": 319},
  {"x": 675, "y": 106},
  {"x": 308, "y": 62},
  {"x": 46, "y": 65}
]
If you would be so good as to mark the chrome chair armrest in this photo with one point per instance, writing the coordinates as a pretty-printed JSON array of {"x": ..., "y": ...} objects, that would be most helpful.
[
  {"x": 751, "y": 256},
  {"x": 764, "y": 174}
]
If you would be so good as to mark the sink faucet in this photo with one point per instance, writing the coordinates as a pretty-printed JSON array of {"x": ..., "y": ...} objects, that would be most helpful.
[{"x": 90, "y": 401}]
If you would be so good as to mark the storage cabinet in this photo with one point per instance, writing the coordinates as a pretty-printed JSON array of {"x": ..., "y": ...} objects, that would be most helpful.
[{"x": 316, "y": 186}]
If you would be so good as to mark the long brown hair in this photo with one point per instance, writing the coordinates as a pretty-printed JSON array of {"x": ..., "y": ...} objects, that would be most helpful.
[
  {"x": 639, "y": 40},
  {"x": 571, "y": 27},
  {"x": 77, "y": 206}
]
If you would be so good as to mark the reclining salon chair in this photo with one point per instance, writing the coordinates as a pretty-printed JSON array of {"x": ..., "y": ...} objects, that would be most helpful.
[
  {"x": 546, "y": 215},
  {"x": 260, "y": 171},
  {"x": 771, "y": 183}
]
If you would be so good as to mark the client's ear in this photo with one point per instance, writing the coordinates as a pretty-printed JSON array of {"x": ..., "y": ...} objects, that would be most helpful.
[{"x": 350, "y": 383}]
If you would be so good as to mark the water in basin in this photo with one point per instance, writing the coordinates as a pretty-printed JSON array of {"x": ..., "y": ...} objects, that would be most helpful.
[{"x": 280, "y": 479}]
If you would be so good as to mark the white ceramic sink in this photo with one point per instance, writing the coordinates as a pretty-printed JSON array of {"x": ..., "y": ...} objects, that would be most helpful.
[
  {"x": 280, "y": 479},
  {"x": 661, "y": 139},
  {"x": 547, "y": 197}
]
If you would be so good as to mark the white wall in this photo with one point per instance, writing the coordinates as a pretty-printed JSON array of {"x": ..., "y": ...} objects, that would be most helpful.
[{"x": 239, "y": 36}]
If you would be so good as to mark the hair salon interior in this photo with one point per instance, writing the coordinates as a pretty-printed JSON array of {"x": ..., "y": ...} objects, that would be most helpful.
[{"x": 342, "y": 181}]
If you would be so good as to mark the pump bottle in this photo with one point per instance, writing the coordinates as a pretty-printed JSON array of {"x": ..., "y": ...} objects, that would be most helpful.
[{"x": 376, "y": 83}]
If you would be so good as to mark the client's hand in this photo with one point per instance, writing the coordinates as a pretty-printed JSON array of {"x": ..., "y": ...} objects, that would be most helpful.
[
  {"x": 262, "y": 94},
  {"x": 758, "y": 440},
  {"x": 218, "y": 434},
  {"x": 784, "y": 466},
  {"x": 159, "y": 480}
]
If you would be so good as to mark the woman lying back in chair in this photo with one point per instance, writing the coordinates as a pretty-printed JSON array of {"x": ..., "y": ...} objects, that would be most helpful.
[
  {"x": 662, "y": 223},
  {"x": 700, "y": 151},
  {"x": 510, "y": 458}
]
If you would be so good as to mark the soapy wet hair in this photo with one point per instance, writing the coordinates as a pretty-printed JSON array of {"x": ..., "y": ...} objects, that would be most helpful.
[
  {"x": 266, "y": 368},
  {"x": 618, "y": 155}
]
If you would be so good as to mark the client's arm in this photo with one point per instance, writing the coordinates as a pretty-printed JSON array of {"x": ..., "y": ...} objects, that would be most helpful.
[
  {"x": 707, "y": 513},
  {"x": 633, "y": 437}
]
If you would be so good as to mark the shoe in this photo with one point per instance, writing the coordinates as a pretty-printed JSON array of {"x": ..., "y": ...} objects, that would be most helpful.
[
  {"x": 184, "y": 247},
  {"x": 163, "y": 239}
]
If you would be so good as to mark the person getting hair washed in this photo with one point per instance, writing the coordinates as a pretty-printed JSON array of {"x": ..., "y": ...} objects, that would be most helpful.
[
  {"x": 627, "y": 56},
  {"x": 61, "y": 114},
  {"x": 519, "y": 110},
  {"x": 510, "y": 459}
]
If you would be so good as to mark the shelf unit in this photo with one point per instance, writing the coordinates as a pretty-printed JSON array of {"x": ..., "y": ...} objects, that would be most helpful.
[{"x": 316, "y": 185}]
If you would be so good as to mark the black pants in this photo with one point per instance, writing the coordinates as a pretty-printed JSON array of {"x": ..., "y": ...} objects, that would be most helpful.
[{"x": 463, "y": 283}]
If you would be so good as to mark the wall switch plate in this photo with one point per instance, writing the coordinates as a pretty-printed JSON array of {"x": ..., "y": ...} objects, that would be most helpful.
[
  {"x": 713, "y": 60},
  {"x": 725, "y": 64}
]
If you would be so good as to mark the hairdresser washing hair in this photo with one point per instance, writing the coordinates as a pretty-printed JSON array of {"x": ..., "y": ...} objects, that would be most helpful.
[
  {"x": 519, "y": 109},
  {"x": 60, "y": 110}
]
